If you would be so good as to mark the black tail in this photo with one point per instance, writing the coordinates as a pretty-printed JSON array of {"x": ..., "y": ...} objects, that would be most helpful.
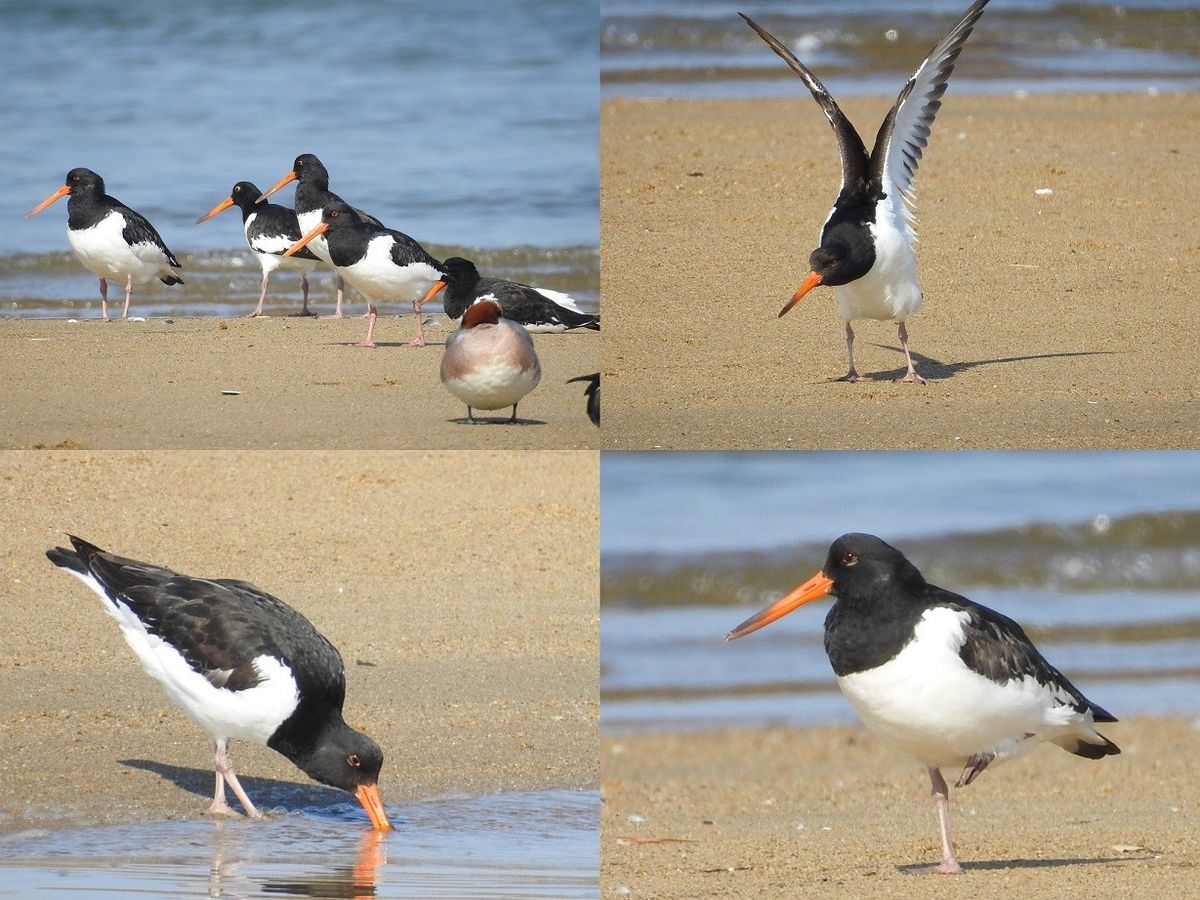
[
  {"x": 1092, "y": 751},
  {"x": 76, "y": 560},
  {"x": 170, "y": 279},
  {"x": 574, "y": 319}
]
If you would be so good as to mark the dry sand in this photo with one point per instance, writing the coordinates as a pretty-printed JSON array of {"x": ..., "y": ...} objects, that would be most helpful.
[
  {"x": 461, "y": 591},
  {"x": 827, "y": 812},
  {"x": 157, "y": 385},
  {"x": 1066, "y": 320}
]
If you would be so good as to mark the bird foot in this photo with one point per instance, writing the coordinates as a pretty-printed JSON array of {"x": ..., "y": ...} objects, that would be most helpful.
[
  {"x": 417, "y": 342},
  {"x": 221, "y": 808},
  {"x": 850, "y": 376},
  {"x": 367, "y": 344},
  {"x": 255, "y": 315},
  {"x": 948, "y": 867},
  {"x": 334, "y": 316},
  {"x": 975, "y": 765},
  {"x": 911, "y": 378}
]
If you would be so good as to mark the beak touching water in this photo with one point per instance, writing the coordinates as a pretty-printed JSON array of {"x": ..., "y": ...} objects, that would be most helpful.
[
  {"x": 61, "y": 192},
  {"x": 368, "y": 796},
  {"x": 813, "y": 280},
  {"x": 815, "y": 588}
]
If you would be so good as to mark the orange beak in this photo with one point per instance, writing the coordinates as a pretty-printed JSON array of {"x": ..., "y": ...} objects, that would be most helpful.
[
  {"x": 219, "y": 208},
  {"x": 810, "y": 282},
  {"x": 816, "y": 587},
  {"x": 432, "y": 292},
  {"x": 303, "y": 242},
  {"x": 368, "y": 796},
  {"x": 61, "y": 192},
  {"x": 282, "y": 182}
]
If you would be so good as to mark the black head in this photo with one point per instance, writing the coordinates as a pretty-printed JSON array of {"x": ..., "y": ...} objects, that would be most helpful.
[
  {"x": 244, "y": 194},
  {"x": 861, "y": 568},
  {"x": 338, "y": 213},
  {"x": 309, "y": 169},
  {"x": 84, "y": 181},
  {"x": 459, "y": 270},
  {"x": 346, "y": 759},
  {"x": 837, "y": 262}
]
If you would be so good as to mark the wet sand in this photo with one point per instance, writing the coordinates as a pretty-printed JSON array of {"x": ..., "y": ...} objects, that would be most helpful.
[
  {"x": 157, "y": 385},
  {"x": 460, "y": 590},
  {"x": 1060, "y": 320},
  {"x": 827, "y": 812}
]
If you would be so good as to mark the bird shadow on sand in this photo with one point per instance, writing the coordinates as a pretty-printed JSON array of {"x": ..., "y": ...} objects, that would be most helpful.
[
  {"x": 267, "y": 793},
  {"x": 380, "y": 345},
  {"x": 499, "y": 420},
  {"x": 935, "y": 370},
  {"x": 1000, "y": 865}
]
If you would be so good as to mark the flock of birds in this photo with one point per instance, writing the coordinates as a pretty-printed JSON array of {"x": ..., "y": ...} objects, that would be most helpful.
[{"x": 489, "y": 362}]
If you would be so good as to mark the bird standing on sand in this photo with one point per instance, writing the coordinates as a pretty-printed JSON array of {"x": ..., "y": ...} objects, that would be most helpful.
[
  {"x": 942, "y": 678},
  {"x": 270, "y": 229},
  {"x": 110, "y": 239},
  {"x": 489, "y": 361},
  {"x": 593, "y": 395},
  {"x": 381, "y": 263},
  {"x": 241, "y": 664},
  {"x": 538, "y": 309},
  {"x": 866, "y": 251},
  {"x": 312, "y": 197}
]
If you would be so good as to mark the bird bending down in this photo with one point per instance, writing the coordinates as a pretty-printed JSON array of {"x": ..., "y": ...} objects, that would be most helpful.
[
  {"x": 489, "y": 361},
  {"x": 592, "y": 391},
  {"x": 381, "y": 263},
  {"x": 241, "y": 664},
  {"x": 867, "y": 253},
  {"x": 538, "y": 309},
  {"x": 110, "y": 239},
  {"x": 270, "y": 229},
  {"x": 946, "y": 680},
  {"x": 312, "y": 196}
]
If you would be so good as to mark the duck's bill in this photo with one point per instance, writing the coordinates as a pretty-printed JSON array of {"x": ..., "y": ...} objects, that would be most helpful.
[
  {"x": 57, "y": 195},
  {"x": 281, "y": 183},
  {"x": 303, "y": 242},
  {"x": 216, "y": 210},
  {"x": 813, "y": 589},
  {"x": 368, "y": 796},
  {"x": 812, "y": 281}
]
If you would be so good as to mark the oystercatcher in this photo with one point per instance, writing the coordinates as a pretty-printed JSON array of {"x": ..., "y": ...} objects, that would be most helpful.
[
  {"x": 241, "y": 664},
  {"x": 593, "y": 395},
  {"x": 938, "y": 676},
  {"x": 270, "y": 229},
  {"x": 110, "y": 239},
  {"x": 489, "y": 361},
  {"x": 538, "y": 309},
  {"x": 312, "y": 196},
  {"x": 383, "y": 264},
  {"x": 866, "y": 251}
]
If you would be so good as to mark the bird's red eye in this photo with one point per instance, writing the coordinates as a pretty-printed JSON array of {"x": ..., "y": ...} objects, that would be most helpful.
[
  {"x": 848, "y": 559},
  {"x": 354, "y": 760}
]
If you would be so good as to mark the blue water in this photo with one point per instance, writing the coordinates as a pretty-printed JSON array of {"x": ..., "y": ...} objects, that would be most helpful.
[
  {"x": 537, "y": 845},
  {"x": 1096, "y": 554}
]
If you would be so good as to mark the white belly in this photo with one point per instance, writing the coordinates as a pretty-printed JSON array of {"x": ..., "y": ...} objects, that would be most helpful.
[
  {"x": 378, "y": 278},
  {"x": 889, "y": 291},
  {"x": 103, "y": 251}
]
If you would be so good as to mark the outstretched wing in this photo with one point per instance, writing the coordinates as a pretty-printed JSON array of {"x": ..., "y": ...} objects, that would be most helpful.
[{"x": 855, "y": 162}]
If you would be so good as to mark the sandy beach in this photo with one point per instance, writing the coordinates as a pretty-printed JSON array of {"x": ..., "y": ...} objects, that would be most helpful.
[
  {"x": 303, "y": 385},
  {"x": 826, "y": 812},
  {"x": 1050, "y": 320},
  {"x": 462, "y": 597}
]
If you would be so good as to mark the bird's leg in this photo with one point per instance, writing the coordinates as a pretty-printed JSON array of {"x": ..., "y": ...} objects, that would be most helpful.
[
  {"x": 851, "y": 375},
  {"x": 513, "y": 417},
  {"x": 372, "y": 315},
  {"x": 219, "y": 806},
  {"x": 941, "y": 797},
  {"x": 224, "y": 766},
  {"x": 304, "y": 311},
  {"x": 911, "y": 377},
  {"x": 419, "y": 340},
  {"x": 975, "y": 765},
  {"x": 262, "y": 295},
  {"x": 471, "y": 415},
  {"x": 341, "y": 287},
  {"x": 128, "y": 294},
  {"x": 104, "y": 300}
]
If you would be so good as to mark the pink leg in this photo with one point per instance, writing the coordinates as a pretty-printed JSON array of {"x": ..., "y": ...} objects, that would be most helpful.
[
  {"x": 262, "y": 295},
  {"x": 104, "y": 301},
  {"x": 850, "y": 375},
  {"x": 911, "y": 377},
  {"x": 219, "y": 807},
  {"x": 341, "y": 290},
  {"x": 372, "y": 315},
  {"x": 128, "y": 294},
  {"x": 419, "y": 340},
  {"x": 224, "y": 767},
  {"x": 941, "y": 797}
]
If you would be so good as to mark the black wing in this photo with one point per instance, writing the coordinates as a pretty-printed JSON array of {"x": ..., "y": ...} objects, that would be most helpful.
[
  {"x": 275, "y": 228},
  {"x": 529, "y": 306},
  {"x": 406, "y": 251},
  {"x": 855, "y": 162},
  {"x": 138, "y": 230}
]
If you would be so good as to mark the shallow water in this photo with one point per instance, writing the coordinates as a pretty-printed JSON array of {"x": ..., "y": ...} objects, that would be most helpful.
[
  {"x": 534, "y": 845},
  {"x": 1096, "y": 554}
]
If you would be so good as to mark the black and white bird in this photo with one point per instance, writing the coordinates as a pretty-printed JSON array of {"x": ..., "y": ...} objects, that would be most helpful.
[
  {"x": 312, "y": 197},
  {"x": 489, "y": 361},
  {"x": 593, "y": 395},
  {"x": 110, "y": 239},
  {"x": 270, "y": 229},
  {"x": 538, "y": 309},
  {"x": 241, "y": 664},
  {"x": 867, "y": 249},
  {"x": 937, "y": 676},
  {"x": 381, "y": 263}
]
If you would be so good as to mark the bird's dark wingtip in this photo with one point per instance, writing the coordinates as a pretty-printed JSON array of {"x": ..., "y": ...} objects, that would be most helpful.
[{"x": 76, "y": 559}]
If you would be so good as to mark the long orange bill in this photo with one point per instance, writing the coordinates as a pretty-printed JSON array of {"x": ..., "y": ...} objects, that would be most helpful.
[
  {"x": 285, "y": 180},
  {"x": 810, "y": 282},
  {"x": 368, "y": 796},
  {"x": 432, "y": 292},
  {"x": 816, "y": 587},
  {"x": 303, "y": 242},
  {"x": 61, "y": 192},
  {"x": 219, "y": 208}
]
